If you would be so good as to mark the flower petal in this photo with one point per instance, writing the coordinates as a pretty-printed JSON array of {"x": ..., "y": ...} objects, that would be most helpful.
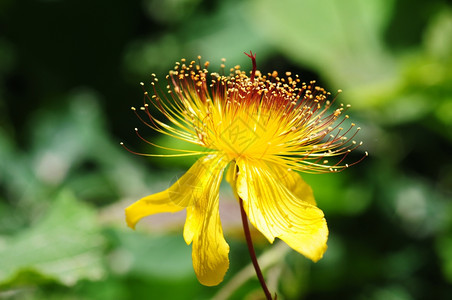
[
  {"x": 175, "y": 198},
  {"x": 293, "y": 181},
  {"x": 231, "y": 173},
  {"x": 203, "y": 227},
  {"x": 277, "y": 212}
]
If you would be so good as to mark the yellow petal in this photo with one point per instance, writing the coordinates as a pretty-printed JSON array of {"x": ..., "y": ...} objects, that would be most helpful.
[
  {"x": 203, "y": 227},
  {"x": 293, "y": 181},
  {"x": 210, "y": 250},
  {"x": 174, "y": 199},
  {"x": 231, "y": 173},
  {"x": 277, "y": 212}
]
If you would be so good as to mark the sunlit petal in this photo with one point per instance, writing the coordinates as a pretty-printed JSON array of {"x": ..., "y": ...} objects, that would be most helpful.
[
  {"x": 175, "y": 198},
  {"x": 203, "y": 227},
  {"x": 277, "y": 212},
  {"x": 293, "y": 182}
]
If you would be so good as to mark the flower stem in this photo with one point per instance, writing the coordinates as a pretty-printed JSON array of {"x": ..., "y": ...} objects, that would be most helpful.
[{"x": 249, "y": 242}]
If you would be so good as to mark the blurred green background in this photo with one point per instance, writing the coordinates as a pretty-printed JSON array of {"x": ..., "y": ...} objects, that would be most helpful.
[{"x": 69, "y": 72}]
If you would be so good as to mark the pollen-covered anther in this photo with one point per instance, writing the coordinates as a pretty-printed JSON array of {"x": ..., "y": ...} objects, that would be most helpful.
[{"x": 292, "y": 119}]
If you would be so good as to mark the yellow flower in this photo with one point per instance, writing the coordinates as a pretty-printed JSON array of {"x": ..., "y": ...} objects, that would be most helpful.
[{"x": 263, "y": 129}]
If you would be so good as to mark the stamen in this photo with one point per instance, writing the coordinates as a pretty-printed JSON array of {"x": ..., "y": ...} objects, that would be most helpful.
[{"x": 293, "y": 121}]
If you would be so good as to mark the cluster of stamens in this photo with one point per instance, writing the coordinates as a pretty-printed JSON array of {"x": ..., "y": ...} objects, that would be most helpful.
[{"x": 277, "y": 119}]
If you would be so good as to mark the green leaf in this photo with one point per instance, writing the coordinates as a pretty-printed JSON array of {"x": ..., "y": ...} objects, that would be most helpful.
[
  {"x": 64, "y": 245},
  {"x": 226, "y": 33},
  {"x": 161, "y": 256},
  {"x": 341, "y": 39},
  {"x": 338, "y": 194},
  {"x": 444, "y": 249}
]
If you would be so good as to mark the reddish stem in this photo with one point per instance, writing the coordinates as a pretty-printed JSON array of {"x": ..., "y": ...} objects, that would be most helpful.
[{"x": 249, "y": 243}]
